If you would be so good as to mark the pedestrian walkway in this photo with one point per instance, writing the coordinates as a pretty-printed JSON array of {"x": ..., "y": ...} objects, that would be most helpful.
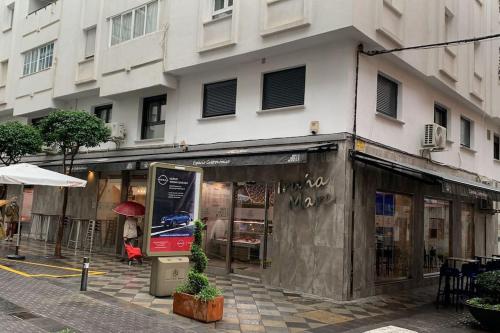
[{"x": 249, "y": 305}]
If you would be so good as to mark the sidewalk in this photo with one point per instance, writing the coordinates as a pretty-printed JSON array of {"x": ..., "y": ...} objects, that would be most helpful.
[{"x": 249, "y": 306}]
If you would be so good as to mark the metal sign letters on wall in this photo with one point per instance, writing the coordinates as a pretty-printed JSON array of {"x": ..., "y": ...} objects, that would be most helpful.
[{"x": 311, "y": 192}]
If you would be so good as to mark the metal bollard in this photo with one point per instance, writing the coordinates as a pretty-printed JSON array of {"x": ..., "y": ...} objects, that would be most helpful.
[{"x": 85, "y": 274}]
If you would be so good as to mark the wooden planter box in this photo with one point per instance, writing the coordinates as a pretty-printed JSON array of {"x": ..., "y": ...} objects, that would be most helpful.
[{"x": 188, "y": 306}]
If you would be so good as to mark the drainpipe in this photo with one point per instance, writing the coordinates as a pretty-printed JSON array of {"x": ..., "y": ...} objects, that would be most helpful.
[{"x": 359, "y": 50}]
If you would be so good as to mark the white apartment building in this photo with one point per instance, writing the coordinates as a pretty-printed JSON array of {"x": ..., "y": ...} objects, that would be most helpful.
[{"x": 261, "y": 93}]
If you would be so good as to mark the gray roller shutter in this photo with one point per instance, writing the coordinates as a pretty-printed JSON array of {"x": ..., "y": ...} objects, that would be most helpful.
[
  {"x": 219, "y": 99},
  {"x": 284, "y": 88},
  {"x": 387, "y": 96}
]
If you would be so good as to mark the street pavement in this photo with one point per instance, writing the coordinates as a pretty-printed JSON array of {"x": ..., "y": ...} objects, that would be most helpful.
[{"x": 42, "y": 295}]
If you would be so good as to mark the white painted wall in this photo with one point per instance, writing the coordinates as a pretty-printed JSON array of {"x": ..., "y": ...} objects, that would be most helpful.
[
  {"x": 329, "y": 70},
  {"x": 190, "y": 49}
]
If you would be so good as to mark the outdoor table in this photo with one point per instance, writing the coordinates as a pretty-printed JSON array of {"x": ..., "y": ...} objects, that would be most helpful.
[
  {"x": 485, "y": 259},
  {"x": 463, "y": 260}
]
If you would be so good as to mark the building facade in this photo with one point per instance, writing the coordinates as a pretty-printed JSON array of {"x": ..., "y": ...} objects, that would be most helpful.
[{"x": 323, "y": 174}]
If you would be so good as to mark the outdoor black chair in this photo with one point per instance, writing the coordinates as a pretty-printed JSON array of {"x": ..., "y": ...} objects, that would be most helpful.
[
  {"x": 467, "y": 281},
  {"x": 493, "y": 265},
  {"x": 450, "y": 291}
]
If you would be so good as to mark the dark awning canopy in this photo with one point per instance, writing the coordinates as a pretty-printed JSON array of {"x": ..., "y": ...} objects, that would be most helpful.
[
  {"x": 450, "y": 184},
  {"x": 245, "y": 156}
]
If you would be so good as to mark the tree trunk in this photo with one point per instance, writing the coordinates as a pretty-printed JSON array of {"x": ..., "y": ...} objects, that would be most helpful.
[{"x": 60, "y": 227}]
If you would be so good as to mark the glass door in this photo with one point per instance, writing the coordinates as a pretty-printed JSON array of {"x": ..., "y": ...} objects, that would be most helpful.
[
  {"x": 251, "y": 224},
  {"x": 216, "y": 213}
]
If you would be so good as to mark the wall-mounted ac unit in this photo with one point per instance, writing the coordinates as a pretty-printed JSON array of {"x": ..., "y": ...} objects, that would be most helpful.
[
  {"x": 118, "y": 131},
  {"x": 434, "y": 136}
]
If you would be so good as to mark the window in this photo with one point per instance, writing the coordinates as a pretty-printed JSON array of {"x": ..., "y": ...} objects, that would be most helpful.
[
  {"x": 393, "y": 223},
  {"x": 465, "y": 132},
  {"x": 103, "y": 112},
  {"x": 9, "y": 17},
  {"x": 219, "y": 98},
  {"x": 38, "y": 59},
  {"x": 496, "y": 147},
  {"x": 36, "y": 121},
  {"x": 135, "y": 23},
  {"x": 36, "y": 5},
  {"x": 90, "y": 35},
  {"x": 284, "y": 88},
  {"x": 467, "y": 219},
  {"x": 222, "y": 7},
  {"x": 387, "y": 96},
  {"x": 440, "y": 115},
  {"x": 436, "y": 234},
  {"x": 153, "y": 117},
  {"x": 4, "y": 66}
]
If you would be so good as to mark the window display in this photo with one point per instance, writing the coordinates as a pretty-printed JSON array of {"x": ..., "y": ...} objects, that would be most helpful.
[
  {"x": 436, "y": 234},
  {"x": 393, "y": 216},
  {"x": 249, "y": 226}
]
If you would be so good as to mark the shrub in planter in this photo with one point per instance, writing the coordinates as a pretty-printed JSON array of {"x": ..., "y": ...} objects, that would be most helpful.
[
  {"x": 486, "y": 307},
  {"x": 196, "y": 298}
]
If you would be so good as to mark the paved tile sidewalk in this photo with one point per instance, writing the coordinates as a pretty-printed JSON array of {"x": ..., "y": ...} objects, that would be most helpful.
[{"x": 249, "y": 305}]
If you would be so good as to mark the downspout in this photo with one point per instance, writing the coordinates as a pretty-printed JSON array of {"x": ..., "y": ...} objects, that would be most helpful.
[{"x": 359, "y": 50}]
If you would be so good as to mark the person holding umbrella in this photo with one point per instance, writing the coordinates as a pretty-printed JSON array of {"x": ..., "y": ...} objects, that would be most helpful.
[{"x": 131, "y": 231}]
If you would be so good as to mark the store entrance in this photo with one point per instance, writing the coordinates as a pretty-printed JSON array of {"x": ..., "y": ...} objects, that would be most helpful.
[{"x": 239, "y": 225}]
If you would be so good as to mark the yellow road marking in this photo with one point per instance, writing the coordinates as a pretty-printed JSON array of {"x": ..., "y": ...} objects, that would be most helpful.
[
  {"x": 45, "y": 265},
  {"x": 14, "y": 271}
]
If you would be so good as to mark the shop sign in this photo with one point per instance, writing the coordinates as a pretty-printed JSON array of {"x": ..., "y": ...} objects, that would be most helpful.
[
  {"x": 310, "y": 192},
  {"x": 244, "y": 160},
  {"x": 172, "y": 207},
  {"x": 464, "y": 190}
]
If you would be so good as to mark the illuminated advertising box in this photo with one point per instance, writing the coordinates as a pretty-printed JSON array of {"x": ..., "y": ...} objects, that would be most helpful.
[{"x": 172, "y": 206}]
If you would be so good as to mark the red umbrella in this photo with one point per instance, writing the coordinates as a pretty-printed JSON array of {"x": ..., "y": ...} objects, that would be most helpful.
[{"x": 130, "y": 208}]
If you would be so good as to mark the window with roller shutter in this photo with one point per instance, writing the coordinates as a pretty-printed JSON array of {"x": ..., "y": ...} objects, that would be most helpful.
[
  {"x": 284, "y": 88},
  {"x": 387, "y": 96},
  {"x": 219, "y": 99}
]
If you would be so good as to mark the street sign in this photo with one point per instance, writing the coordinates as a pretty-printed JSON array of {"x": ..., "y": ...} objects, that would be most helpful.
[{"x": 172, "y": 206}]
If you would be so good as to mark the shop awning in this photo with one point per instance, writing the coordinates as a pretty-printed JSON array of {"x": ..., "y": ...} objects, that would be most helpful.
[
  {"x": 295, "y": 153},
  {"x": 269, "y": 155},
  {"x": 450, "y": 184}
]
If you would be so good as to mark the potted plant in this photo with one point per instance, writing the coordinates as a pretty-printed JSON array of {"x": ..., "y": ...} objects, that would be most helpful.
[
  {"x": 196, "y": 298},
  {"x": 486, "y": 307}
]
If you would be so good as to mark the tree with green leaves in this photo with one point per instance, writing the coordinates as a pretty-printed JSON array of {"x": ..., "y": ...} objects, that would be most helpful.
[
  {"x": 70, "y": 131},
  {"x": 17, "y": 140}
]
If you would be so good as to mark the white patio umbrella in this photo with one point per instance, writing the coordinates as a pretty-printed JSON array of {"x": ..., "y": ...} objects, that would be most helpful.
[{"x": 29, "y": 174}]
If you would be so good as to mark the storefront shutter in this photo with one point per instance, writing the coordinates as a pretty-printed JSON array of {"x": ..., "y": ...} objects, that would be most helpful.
[
  {"x": 219, "y": 99},
  {"x": 284, "y": 88},
  {"x": 387, "y": 96}
]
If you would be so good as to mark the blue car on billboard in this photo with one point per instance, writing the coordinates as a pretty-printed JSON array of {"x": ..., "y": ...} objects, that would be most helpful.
[{"x": 176, "y": 220}]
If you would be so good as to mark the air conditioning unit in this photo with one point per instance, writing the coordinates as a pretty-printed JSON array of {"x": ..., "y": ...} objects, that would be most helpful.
[
  {"x": 118, "y": 131},
  {"x": 434, "y": 136}
]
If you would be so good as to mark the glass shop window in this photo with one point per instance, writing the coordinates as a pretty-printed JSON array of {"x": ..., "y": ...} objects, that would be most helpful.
[
  {"x": 393, "y": 222},
  {"x": 436, "y": 234}
]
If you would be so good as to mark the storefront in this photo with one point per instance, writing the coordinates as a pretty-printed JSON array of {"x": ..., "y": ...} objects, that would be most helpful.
[
  {"x": 293, "y": 213},
  {"x": 409, "y": 219}
]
